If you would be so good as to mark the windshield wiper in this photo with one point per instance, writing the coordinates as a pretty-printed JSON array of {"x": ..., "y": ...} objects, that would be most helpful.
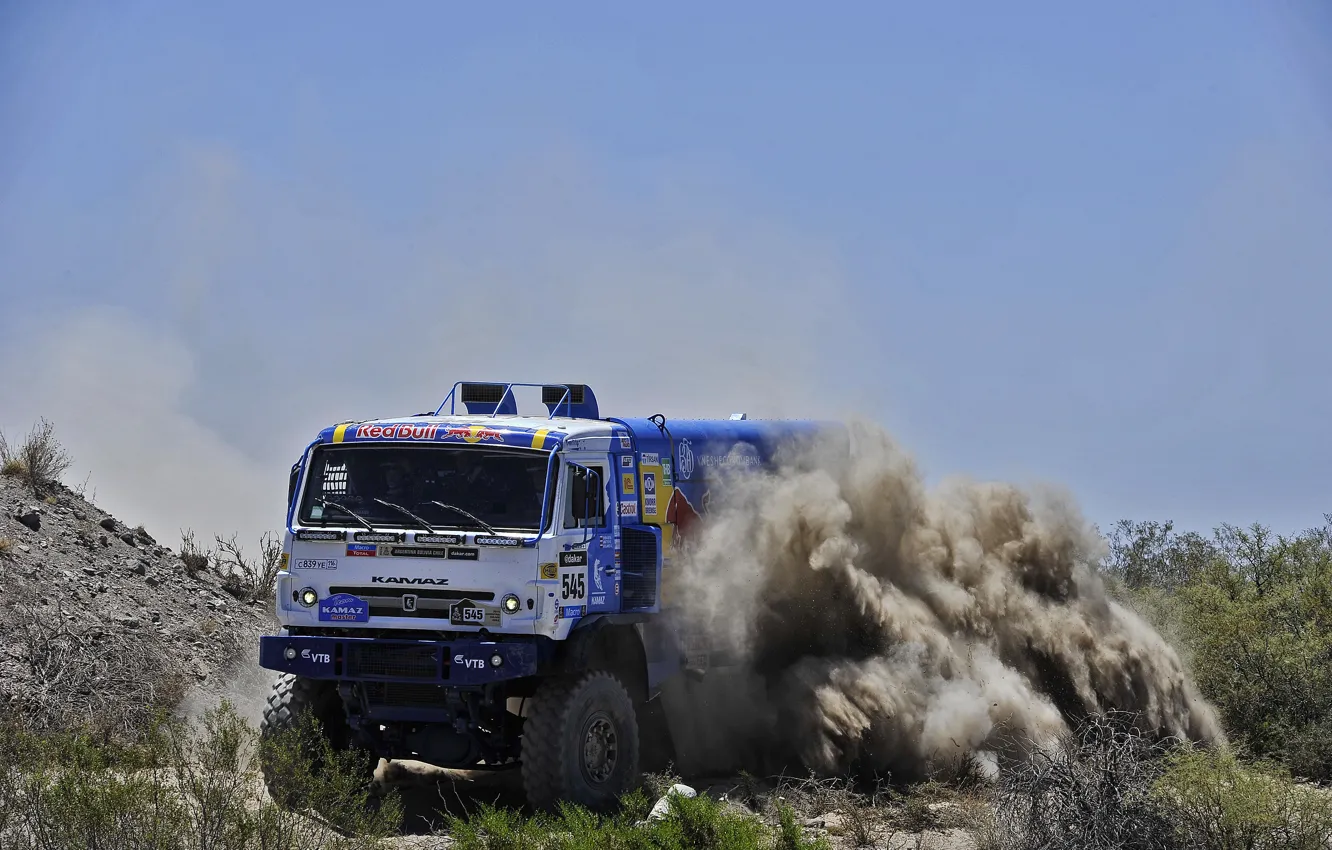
[
  {"x": 405, "y": 512},
  {"x": 457, "y": 509},
  {"x": 326, "y": 503}
]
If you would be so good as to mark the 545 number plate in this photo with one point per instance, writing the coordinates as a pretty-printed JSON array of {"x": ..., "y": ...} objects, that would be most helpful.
[
  {"x": 573, "y": 586},
  {"x": 467, "y": 613}
]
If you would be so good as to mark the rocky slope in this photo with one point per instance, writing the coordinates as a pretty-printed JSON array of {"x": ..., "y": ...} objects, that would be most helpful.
[{"x": 99, "y": 623}]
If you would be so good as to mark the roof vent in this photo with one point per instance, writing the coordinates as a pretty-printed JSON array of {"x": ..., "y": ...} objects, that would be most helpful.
[
  {"x": 573, "y": 400},
  {"x": 488, "y": 399}
]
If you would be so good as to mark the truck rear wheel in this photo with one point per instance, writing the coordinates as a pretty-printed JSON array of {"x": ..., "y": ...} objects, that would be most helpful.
[
  {"x": 580, "y": 743},
  {"x": 293, "y": 697}
]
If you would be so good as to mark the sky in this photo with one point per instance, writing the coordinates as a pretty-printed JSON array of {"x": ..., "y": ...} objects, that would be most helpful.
[{"x": 1039, "y": 242}]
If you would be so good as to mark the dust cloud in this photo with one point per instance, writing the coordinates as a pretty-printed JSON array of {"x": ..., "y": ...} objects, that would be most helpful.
[{"x": 879, "y": 628}]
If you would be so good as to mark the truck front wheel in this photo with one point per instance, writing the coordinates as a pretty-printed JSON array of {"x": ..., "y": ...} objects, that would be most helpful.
[
  {"x": 580, "y": 743},
  {"x": 291, "y": 699}
]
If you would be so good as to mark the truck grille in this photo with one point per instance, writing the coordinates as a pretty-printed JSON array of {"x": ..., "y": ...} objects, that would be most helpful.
[
  {"x": 403, "y": 695},
  {"x": 401, "y": 661},
  {"x": 638, "y": 562},
  {"x": 386, "y": 601}
]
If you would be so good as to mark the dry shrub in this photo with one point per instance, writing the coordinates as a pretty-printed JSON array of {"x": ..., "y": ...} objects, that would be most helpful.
[
  {"x": 6, "y": 547},
  {"x": 246, "y": 579},
  {"x": 106, "y": 678},
  {"x": 194, "y": 558},
  {"x": 1094, "y": 790},
  {"x": 39, "y": 461}
]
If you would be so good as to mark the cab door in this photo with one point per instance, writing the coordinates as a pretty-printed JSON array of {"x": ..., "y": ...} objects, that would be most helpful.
[{"x": 586, "y": 527}]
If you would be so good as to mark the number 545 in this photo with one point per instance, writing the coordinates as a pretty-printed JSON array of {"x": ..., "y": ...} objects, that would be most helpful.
[{"x": 573, "y": 586}]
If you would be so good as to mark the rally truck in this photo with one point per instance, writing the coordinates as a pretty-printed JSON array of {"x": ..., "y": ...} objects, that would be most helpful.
[{"x": 479, "y": 589}]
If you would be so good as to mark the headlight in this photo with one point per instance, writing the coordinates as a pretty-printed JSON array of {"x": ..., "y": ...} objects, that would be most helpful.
[
  {"x": 309, "y": 597},
  {"x": 290, "y": 653},
  {"x": 510, "y": 604},
  {"x": 496, "y": 660}
]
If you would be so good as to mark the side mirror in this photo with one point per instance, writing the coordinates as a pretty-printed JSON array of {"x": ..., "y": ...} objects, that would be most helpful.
[
  {"x": 291, "y": 483},
  {"x": 585, "y": 493}
]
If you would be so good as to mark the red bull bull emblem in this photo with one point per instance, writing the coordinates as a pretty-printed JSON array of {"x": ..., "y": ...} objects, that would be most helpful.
[
  {"x": 396, "y": 431},
  {"x": 475, "y": 434}
]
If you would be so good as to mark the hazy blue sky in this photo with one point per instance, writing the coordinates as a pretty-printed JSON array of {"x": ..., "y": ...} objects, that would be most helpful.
[{"x": 1040, "y": 242}]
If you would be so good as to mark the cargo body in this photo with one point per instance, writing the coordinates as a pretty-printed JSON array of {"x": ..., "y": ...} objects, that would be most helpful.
[{"x": 458, "y": 585}]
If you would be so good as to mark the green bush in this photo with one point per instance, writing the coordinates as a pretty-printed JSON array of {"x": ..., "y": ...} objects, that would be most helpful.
[
  {"x": 181, "y": 787},
  {"x": 1217, "y": 803},
  {"x": 1253, "y": 614}
]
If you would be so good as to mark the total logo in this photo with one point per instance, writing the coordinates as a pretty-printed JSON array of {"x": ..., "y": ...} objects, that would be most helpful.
[
  {"x": 475, "y": 434},
  {"x": 316, "y": 657}
]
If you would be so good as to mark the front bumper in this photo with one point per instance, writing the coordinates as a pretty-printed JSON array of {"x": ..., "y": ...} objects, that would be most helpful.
[{"x": 461, "y": 663}]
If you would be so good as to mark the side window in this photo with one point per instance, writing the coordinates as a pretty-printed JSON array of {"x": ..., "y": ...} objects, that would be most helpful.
[{"x": 586, "y": 505}]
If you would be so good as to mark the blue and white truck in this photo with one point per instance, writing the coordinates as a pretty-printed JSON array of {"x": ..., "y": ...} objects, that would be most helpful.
[{"x": 480, "y": 589}]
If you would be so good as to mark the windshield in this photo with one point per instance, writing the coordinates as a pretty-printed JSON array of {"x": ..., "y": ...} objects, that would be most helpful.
[{"x": 501, "y": 489}]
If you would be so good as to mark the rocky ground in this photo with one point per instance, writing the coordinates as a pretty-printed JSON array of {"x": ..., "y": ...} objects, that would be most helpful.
[{"x": 99, "y": 622}]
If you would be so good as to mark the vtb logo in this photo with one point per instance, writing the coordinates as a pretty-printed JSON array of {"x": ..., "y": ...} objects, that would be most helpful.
[{"x": 409, "y": 602}]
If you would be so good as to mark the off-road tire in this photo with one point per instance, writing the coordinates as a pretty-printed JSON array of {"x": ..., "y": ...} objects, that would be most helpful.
[
  {"x": 292, "y": 696},
  {"x": 566, "y": 714}
]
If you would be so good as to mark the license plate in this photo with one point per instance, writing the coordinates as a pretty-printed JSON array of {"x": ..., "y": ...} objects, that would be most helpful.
[{"x": 467, "y": 615}]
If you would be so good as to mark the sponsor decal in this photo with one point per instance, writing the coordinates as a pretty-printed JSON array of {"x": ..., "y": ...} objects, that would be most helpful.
[
  {"x": 447, "y": 539},
  {"x": 617, "y": 556},
  {"x": 605, "y": 541},
  {"x": 282, "y": 562},
  {"x": 409, "y": 602},
  {"x": 470, "y": 663},
  {"x": 650, "y": 493},
  {"x": 625, "y": 442},
  {"x": 629, "y": 508},
  {"x": 730, "y": 459},
  {"x": 596, "y": 575},
  {"x": 362, "y": 550},
  {"x": 417, "y": 552},
  {"x": 406, "y": 580},
  {"x": 598, "y": 599},
  {"x": 497, "y": 541},
  {"x": 616, "y": 589},
  {"x": 397, "y": 431},
  {"x": 320, "y": 534},
  {"x": 343, "y": 608},
  {"x": 627, "y": 461},
  {"x": 464, "y": 554},
  {"x": 649, "y": 459},
  {"x": 573, "y": 559},
  {"x": 686, "y": 469},
  {"x": 380, "y": 536},
  {"x": 316, "y": 657},
  {"x": 666, "y": 473},
  {"x": 627, "y": 483},
  {"x": 549, "y": 571},
  {"x": 475, "y": 434},
  {"x": 573, "y": 610},
  {"x": 316, "y": 563}
]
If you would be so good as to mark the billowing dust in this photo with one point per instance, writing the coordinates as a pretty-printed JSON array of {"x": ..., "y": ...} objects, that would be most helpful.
[{"x": 882, "y": 629}]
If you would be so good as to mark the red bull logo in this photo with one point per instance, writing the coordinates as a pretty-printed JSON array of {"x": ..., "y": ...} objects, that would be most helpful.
[
  {"x": 397, "y": 431},
  {"x": 475, "y": 434}
]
